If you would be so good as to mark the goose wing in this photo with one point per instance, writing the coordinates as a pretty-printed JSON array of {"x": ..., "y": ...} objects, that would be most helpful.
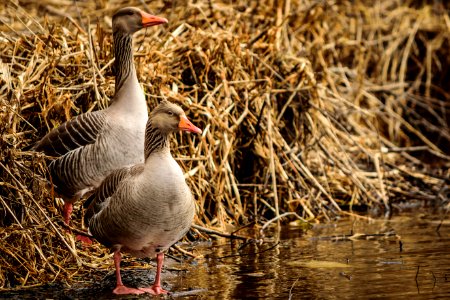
[
  {"x": 107, "y": 188},
  {"x": 77, "y": 132}
]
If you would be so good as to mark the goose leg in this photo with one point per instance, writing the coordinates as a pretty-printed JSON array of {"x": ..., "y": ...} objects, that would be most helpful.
[
  {"x": 156, "y": 289},
  {"x": 68, "y": 208},
  {"x": 67, "y": 212},
  {"x": 120, "y": 288}
]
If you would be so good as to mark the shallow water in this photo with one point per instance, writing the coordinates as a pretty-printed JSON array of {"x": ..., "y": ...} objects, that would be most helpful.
[
  {"x": 321, "y": 264},
  {"x": 411, "y": 261}
]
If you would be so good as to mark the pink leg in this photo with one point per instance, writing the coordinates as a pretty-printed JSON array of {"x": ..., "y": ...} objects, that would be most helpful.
[
  {"x": 156, "y": 289},
  {"x": 67, "y": 212},
  {"x": 120, "y": 288},
  {"x": 68, "y": 208}
]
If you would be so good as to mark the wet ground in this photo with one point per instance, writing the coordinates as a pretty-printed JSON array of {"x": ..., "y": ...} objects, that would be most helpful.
[{"x": 407, "y": 256}]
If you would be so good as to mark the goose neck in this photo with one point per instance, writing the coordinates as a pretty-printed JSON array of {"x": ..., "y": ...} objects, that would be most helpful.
[
  {"x": 123, "y": 53},
  {"x": 155, "y": 140}
]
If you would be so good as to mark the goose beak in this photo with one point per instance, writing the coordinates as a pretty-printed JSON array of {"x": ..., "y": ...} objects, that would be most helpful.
[
  {"x": 150, "y": 20},
  {"x": 186, "y": 125}
]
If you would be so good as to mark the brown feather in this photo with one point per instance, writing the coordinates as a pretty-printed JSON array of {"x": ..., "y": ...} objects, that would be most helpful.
[{"x": 78, "y": 132}]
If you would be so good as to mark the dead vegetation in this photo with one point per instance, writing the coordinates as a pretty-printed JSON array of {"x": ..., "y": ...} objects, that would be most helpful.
[{"x": 307, "y": 107}]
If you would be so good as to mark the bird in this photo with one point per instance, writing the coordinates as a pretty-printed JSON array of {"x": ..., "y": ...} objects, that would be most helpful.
[
  {"x": 145, "y": 208},
  {"x": 91, "y": 145}
]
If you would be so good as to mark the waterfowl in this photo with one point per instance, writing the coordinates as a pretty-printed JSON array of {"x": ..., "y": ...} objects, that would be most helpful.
[
  {"x": 145, "y": 208},
  {"x": 89, "y": 146}
]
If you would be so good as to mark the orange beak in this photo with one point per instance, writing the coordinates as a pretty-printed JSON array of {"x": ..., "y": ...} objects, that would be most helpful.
[
  {"x": 150, "y": 20},
  {"x": 186, "y": 125}
]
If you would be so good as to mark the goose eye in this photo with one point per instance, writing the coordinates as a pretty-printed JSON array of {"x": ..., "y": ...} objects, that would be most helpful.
[{"x": 170, "y": 113}]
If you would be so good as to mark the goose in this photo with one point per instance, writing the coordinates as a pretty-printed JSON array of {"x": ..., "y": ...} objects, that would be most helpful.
[
  {"x": 91, "y": 145},
  {"x": 145, "y": 208}
]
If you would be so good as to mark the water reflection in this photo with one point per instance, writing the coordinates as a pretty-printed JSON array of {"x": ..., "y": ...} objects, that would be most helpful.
[{"x": 413, "y": 263}]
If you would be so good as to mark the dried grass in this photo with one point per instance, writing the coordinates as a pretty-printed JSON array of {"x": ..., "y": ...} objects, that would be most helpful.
[{"x": 308, "y": 107}]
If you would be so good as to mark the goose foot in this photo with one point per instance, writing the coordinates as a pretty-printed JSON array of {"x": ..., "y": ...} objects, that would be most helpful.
[
  {"x": 83, "y": 239},
  {"x": 123, "y": 290},
  {"x": 154, "y": 290}
]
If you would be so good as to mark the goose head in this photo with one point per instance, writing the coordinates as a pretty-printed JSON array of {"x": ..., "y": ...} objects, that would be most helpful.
[
  {"x": 131, "y": 19},
  {"x": 169, "y": 117}
]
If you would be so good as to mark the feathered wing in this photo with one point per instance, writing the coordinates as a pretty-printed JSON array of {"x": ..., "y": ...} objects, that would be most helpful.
[
  {"x": 78, "y": 132},
  {"x": 107, "y": 188}
]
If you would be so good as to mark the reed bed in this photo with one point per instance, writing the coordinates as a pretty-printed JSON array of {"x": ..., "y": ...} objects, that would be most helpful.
[{"x": 310, "y": 109}]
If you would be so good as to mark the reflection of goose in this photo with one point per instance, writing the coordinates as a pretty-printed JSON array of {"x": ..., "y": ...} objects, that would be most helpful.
[
  {"x": 145, "y": 208},
  {"x": 93, "y": 144}
]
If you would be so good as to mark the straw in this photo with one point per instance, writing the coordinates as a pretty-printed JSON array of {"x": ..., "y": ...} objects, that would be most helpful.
[{"x": 308, "y": 109}]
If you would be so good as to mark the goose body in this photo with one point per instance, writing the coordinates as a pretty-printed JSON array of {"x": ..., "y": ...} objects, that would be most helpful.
[
  {"x": 159, "y": 207},
  {"x": 145, "y": 208},
  {"x": 91, "y": 145}
]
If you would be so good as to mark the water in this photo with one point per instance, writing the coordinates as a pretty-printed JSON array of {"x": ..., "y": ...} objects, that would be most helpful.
[
  {"x": 411, "y": 261},
  {"x": 414, "y": 263}
]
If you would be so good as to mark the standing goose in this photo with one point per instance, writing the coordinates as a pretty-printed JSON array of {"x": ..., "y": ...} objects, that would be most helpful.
[
  {"x": 145, "y": 208},
  {"x": 93, "y": 144}
]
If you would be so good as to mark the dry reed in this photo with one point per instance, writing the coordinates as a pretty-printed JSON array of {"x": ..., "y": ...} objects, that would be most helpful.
[{"x": 308, "y": 108}]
